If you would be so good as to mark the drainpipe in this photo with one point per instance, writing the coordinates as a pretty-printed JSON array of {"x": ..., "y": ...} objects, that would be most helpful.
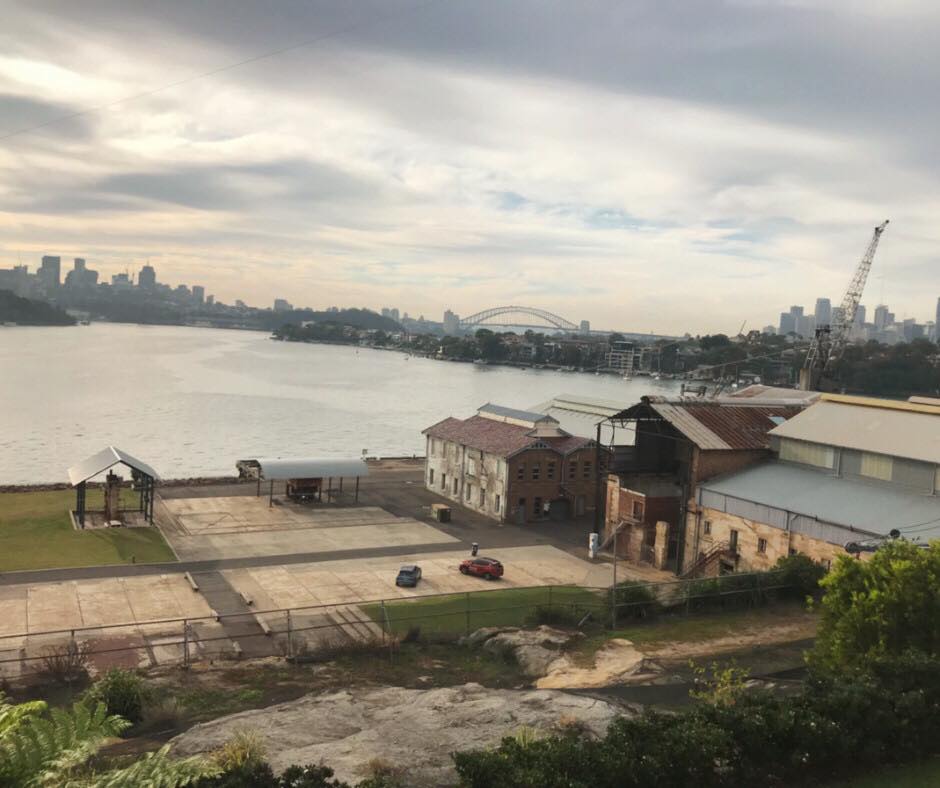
[{"x": 597, "y": 482}]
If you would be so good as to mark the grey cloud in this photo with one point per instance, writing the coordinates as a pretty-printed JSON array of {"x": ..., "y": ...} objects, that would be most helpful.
[{"x": 21, "y": 112}]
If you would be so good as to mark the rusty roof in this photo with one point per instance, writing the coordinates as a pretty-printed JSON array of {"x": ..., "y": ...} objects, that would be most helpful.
[
  {"x": 717, "y": 425},
  {"x": 501, "y": 438}
]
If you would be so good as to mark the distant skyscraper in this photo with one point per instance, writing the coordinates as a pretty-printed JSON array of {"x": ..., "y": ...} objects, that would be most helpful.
[
  {"x": 796, "y": 311},
  {"x": 805, "y": 326},
  {"x": 147, "y": 277},
  {"x": 787, "y": 324},
  {"x": 386, "y": 312},
  {"x": 860, "y": 315},
  {"x": 50, "y": 272},
  {"x": 823, "y": 312},
  {"x": 769, "y": 330},
  {"x": 199, "y": 293},
  {"x": 881, "y": 317},
  {"x": 282, "y": 305},
  {"x": 210, "y": 300},
  {"x": 585, "y": 327},
  {"x": 394, "y": 314},
  {"x": 451, "y": 322}
]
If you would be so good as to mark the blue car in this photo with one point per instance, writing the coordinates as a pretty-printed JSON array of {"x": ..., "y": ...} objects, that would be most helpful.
[{"x": 408, "y": 576}]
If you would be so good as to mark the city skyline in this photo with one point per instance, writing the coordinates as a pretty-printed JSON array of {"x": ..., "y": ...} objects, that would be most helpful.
[{"x": 411, "y": 155}]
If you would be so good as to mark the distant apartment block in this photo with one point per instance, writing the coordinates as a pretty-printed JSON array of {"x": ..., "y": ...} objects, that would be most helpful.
[{"x": 282, "y": 305}]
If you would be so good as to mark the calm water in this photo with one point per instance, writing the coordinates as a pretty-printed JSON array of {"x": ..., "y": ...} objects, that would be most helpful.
[{"x": 192, "y": 401}]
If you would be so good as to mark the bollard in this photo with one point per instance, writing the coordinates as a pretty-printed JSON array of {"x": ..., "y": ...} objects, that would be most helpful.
[{"x": 185, "y": 643}]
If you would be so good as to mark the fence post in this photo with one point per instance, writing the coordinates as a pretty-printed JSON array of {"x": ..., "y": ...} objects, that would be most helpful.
[
  {"x": 384, "y": 614},
  {"x": 687, "y": 588},
  {"x": 185, "y": 643},
  {"x": 290, "y": 637},
  {"x": 613, "y": 607},
  {"x": 467, "y": 605}
]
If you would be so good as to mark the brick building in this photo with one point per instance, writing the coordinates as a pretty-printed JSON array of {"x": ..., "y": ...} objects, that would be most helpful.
[
  {"x": 677, "y": 444},
  {"x": 846, "y": 470},
  {"x": 512, "y": 465}
]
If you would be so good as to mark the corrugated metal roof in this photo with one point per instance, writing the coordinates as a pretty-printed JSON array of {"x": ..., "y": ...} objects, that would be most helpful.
[
  {"x": 870, "y": 507},
  {"x": 513, "y": 413},
  {"x": 912, "y": 434},
  {"x": 104, "y": 459},
  {"x": 776, "y": 394},
  {"x": 716, "y": 425},
  {"x": 307, "y": 468}
]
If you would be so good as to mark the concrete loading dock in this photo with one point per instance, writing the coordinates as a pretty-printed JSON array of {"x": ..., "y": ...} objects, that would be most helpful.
[{"x": 303, "y": 477}]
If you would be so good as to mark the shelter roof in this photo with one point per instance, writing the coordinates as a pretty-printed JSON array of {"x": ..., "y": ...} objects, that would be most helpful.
[
  {"x": 102, "y": 461},
  {"x": 852, "y": 503},
  {"x": 500, "y": 412},
  {"x": 715, "y": 424},
  {"x": 897, "y": 429},
  {"x": 309, "y": 468},
  {"x": 501, "y": 438}
]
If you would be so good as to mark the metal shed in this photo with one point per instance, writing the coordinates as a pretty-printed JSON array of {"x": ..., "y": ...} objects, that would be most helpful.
[
  {"x": 104, "y": 460},
  {"x": 303, "y": 475}
]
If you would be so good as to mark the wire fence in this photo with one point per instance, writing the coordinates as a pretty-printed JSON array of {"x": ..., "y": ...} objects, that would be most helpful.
[{"x": 322, "y": 631}]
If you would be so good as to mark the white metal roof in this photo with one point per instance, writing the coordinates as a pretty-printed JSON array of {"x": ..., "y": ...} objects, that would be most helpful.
[
  {"x": 307, "y": 468},
  {"x": 911, "y": 434},
  {"x": 871, "y": 507},
  {"x": 104, "y": 459}
]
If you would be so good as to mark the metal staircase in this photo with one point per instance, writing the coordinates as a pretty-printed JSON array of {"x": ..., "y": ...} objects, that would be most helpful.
[{"x": 700, "y": 567}]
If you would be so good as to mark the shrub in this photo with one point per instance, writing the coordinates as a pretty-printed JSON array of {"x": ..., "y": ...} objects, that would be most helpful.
[
  {"x": 633, "y": 600},
  {"x": 554, "y": 615},
  {"x": 65, "y": 663},
  {"x": 801, "y": 574},
  {"x": 122, "y": 692}
]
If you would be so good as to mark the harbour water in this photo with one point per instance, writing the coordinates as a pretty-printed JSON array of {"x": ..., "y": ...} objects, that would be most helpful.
[{"x": 192, "y": 401}]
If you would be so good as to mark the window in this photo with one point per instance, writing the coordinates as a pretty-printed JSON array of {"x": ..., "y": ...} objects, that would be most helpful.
[
  {"x": 708, "y": 527},
  {"x": 537, "y": 507},
  {"x": 455, "y": 485},
  {"x": 520, "y": 472},
  {"x": 761, "y": 545},
  {"x": 550, "y": 471},
  {"x": 443, "y": 481},
  {"x": 482, "y": 497},
  {"x": 471, "y": 466},
  {"x": 536, "y": 471},
  {"x": 430, "y": 476},
  {"x": 572, "y": 470},
  {"x": 468, "y": 491},
  {"x": 638, "y": 510},
  {"x": 498, "y": 502},
  {"x": 733, "y": 540},
  {"x": 807, "y": 453},
  {"x": 876, "y": 466},
  {"x": 522, "y": 505},
  {"x": 586, "y": 474}
]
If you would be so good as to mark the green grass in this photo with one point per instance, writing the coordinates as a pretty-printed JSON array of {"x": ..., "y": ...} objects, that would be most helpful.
[
  {"x": 460, "y": 613},
  {"x": 925, "y": 774},
  {"x": 36, "y": 533}
]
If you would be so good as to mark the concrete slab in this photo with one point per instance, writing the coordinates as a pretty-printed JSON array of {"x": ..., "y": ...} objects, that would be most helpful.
[{"x": 13, "y": 605}]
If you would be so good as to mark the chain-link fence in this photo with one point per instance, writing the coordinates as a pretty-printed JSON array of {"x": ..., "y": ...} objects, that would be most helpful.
[{"x": 318, "y": 632}]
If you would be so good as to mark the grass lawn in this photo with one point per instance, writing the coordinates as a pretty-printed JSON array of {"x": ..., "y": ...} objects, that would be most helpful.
[
  {"x": 36, "y": 533},
  {"x": 460, "y": 613}
]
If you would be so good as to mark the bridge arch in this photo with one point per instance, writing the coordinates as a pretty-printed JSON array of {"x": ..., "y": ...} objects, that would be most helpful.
[{"x": 501, "y": 315}]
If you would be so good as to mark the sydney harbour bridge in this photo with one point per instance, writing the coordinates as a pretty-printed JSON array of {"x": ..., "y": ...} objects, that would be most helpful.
[{"x": 516, "y": 317}]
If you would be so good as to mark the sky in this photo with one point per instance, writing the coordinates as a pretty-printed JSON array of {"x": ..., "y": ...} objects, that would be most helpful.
[{"x": 649, "y": 166}]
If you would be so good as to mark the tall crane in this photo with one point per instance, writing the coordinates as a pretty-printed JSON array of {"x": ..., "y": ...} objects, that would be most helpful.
[{"x": 829, "y": 341}]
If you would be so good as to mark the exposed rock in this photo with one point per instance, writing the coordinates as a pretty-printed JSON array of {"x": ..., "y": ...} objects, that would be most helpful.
[
  {"x": 533, "y": 649},
  {"x": 413, "y": 729},
  {"x": 618, "y": 662}
]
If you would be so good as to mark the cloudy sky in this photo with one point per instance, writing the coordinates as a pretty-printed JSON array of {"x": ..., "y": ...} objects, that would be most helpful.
[{"x": 653, "y": 166}]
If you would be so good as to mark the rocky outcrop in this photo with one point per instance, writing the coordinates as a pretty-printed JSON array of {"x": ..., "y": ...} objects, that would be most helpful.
[
  {"x": 618, "y": 662},
  {"x": 416, "y": 730},
  {"x": 533, "y": 649}
]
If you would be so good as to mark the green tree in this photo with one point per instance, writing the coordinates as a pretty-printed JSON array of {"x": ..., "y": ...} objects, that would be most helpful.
[{"x": 886, "y": 606}]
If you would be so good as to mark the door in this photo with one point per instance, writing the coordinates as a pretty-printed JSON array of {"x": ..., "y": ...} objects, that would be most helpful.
[
  {"x": 733, "y": 541},
  {"x": 579, "y": 505}
]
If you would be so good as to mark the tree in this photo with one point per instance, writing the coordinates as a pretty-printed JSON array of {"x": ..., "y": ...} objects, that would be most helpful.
[{"x": 884, "y": 607}]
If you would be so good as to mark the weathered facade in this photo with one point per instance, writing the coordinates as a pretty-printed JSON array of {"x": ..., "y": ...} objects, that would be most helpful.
[
  {"x": 845, "y": 474},
  {"x": 512, "y": 466},
  {"x": 678, "y": 444}
]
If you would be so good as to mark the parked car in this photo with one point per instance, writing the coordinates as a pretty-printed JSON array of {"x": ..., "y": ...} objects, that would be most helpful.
[
  {"x": 489, "y": 568},
  {"x": 408, "y": 575}
]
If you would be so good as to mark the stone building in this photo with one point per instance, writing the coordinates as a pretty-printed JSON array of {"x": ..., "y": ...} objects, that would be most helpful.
[
  {"x": 512, "y": 465},
  {"x": 677, "y": 444},
  {"x": 846, "y": 471}
]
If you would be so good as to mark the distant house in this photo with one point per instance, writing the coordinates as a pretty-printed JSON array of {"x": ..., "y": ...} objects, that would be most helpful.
[
  {"x": 512, "y": 465},
  {"x": 676, "y": 445},
  {"x": 846, "y": 470}
]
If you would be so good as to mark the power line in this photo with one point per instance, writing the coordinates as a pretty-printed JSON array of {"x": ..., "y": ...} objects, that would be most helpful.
[{"x": 219, "y": 70}]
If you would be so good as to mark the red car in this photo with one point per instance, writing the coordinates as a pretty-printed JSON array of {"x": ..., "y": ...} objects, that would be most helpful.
[{"x": 489, "y": 568}]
